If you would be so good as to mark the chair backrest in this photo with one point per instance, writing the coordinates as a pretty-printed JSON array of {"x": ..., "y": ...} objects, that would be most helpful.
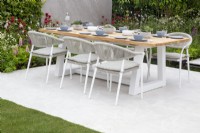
[
  {"x": 78, "y": 46},
  {"x": 39, "y": 39},
  {"x": 182, "y": 44},
  {"x": 111, "y": 52}
]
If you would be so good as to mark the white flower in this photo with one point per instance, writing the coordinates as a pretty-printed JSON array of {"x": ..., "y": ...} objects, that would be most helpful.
[
  {"x": 6, "y": 25},
  {"x": 20, "y": 25}
]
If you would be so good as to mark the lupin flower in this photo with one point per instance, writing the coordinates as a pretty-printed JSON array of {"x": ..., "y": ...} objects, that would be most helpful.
[
  {"x": 27, "y": 48},
  {"x": 20, "y": 41},
  {"x": 15, "y": 50}
]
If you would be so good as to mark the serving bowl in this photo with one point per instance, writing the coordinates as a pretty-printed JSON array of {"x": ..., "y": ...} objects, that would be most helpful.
[
  {"x": 138, "y": 37},
  {"x": 100, "y": 32},
  {"x": 92, "y": 28},
  {"x": 77, "y": 27},
  {"x": 123, "y": 28},
  {"x": 127, "y": 33},
  {"x": 64, "y": 27},
  {"x": 161, "y": 33}
]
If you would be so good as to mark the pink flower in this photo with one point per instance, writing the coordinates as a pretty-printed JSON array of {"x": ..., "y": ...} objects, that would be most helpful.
[
  {"x": 15, "y": 50},
  {"x": 27, "y": 48},
  {"x": 20, "y": 41}
]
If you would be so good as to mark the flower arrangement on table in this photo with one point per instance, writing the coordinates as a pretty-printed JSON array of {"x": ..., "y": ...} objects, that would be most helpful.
[
  {"x": 109, "y": 29},
  {"x": 49, "y": 22},
  {"x": 77, "y": 25}
]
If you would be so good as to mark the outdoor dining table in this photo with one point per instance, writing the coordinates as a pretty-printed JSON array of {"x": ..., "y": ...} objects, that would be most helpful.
[{"x": 134, "y": 88}]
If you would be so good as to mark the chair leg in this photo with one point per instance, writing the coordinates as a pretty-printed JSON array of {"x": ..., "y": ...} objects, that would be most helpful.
[
  {"x": 50, "y": 58},
  {"x": 110, "y": 88},
  {"x": 141, "y": 81},
  {"x": 70, "y": 71},
  {"x": 92, "y": 84},
  {"x": 28, "y": 66},
  {"x": 46, "y": 63},
  {"x": 188, "y": 64},
  {"x": 180, "y": 67},
  {"x": 86, "y": 78},
  {"x": 81, "y": 74},
  {"x": 119, "y": 86},
  {"x": 63, "y": 73},
  {"x": 149, "y": 63},
  {"x": 108, "y": 80}
]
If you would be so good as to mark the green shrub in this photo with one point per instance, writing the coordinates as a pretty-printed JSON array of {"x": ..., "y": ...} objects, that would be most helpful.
[{"x": 16, "y": 18}]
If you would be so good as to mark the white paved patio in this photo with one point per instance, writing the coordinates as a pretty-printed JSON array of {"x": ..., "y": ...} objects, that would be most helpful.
[{"x": 164, "y": 110}]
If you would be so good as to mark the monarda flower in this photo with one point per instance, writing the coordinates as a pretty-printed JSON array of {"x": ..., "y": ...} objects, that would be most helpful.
[
  {"x": 19, "y": 20},
  {"x": 12, "y": 19}
]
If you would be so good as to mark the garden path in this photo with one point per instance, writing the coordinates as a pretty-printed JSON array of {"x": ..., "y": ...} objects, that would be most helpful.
[{"x": 163, "y": 110}]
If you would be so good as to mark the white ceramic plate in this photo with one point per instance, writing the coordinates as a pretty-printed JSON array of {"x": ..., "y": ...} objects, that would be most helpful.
[
  {"x": 120, "y": 37},
  {"x": 85, "y": 33},
  {"x": 65, "y": 30},
  {"x": 51, "y": 28},
  {"x": 176, "y": 37},
  {"x": 143, "y": 40},
  {"x": 100, "y": 35}
]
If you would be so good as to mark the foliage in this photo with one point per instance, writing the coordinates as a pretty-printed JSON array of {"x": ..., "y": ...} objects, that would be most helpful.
[
  {"x": 78, "y": 22},
  {"x": 154, "y": 15},
  {"x": 16, "y": 18},
  {"x": 27, "y": 10},
  {"x": 18, "y": 119}
]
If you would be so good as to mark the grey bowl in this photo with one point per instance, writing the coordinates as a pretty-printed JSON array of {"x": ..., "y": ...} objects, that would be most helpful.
[
  {"x": 64, "y": 27},
  {"x": 138, "y": 37},
  {"x": 100, "y": 32},
  {"x": 123, "y": 28},
  {"x": 161, "y": 33}
]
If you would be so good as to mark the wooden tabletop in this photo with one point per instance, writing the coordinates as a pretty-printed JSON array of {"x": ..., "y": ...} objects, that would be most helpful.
[{"x": 152, "y": 42}]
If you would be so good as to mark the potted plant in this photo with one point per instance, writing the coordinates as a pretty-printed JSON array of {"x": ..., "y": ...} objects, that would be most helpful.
[
  {"x": 147, "y": 32},
  {"x": 109, "y": 29},
  {"x": 77, "y": 25}
]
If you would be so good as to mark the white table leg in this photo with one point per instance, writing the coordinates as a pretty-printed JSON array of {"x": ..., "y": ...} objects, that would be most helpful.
[
  {"x": 59, "y": 65},
  {"x": 135, "y": 77},
  {"x": 161, "y": 59},
  {"x": 134, "y": 87},
  {"x": 60, "y": 62}
]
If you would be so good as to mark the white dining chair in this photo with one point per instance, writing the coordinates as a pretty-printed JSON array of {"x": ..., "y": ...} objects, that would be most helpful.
[
  {"x": 179, "y": 57},
  {"x": 84, "y": 56},
  {"x": 172, "y": 56},
  {"x": 114, "y": 60},
  {"x": 44, "y": 46}
]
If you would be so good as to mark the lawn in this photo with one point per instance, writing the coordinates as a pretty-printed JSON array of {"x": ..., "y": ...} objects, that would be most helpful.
[{"x": 18, "y": 119}]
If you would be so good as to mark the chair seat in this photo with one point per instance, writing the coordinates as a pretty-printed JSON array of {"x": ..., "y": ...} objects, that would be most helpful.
[
  {"x": 83, "y": 58},
  {"x": 46, "y": 51},
  {"x": 116, "y": 65},
  {"x": 174, "y": 55}
]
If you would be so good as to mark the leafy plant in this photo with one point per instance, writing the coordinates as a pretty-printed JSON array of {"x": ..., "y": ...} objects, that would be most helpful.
[
  {"x": 78, "y": 22},
  {"x": 16, "y": 18},
  {"x": 147, "y": 28}
]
